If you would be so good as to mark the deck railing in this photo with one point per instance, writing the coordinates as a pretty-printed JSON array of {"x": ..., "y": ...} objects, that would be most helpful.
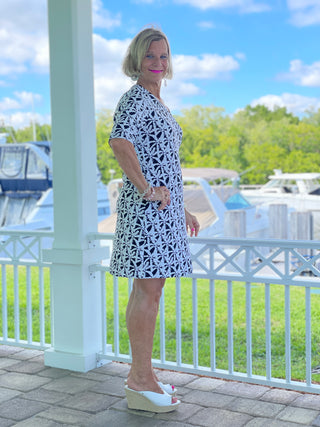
[
  {"x": 249, "y": 312},
  {"x": 25, "y": 289}
]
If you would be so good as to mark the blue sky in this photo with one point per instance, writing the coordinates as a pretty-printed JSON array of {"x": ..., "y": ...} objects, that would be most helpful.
[{"x": 227, "y": 53}]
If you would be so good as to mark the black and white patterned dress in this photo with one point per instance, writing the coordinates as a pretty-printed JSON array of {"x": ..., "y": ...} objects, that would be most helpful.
[{"x": 150, "y": 243}]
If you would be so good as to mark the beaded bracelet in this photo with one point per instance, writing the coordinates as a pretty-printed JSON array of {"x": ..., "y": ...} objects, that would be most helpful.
[
  {"x": 145, "y": 192},
  {"x": 151, "y": 196}
]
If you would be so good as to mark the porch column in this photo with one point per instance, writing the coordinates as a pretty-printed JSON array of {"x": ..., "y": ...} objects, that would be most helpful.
[{"x": 75, "y": 296}]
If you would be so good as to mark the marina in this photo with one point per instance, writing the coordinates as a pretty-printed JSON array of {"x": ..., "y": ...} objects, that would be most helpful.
[
  {"x": 26, "y": 187},
  {"x": 298, "y": 191}
]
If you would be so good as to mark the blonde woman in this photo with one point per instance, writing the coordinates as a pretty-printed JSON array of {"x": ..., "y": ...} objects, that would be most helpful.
[{"x": 151, "y": 242}]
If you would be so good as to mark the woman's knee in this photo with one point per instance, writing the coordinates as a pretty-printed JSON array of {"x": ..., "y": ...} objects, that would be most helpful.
[{"x": 150, "y": 288}]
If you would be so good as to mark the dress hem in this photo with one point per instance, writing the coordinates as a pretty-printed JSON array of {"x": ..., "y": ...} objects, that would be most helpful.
[{"x": 153, "y": 277}]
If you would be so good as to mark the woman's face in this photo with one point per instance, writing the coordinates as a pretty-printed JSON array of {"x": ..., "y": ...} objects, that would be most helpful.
[{"x": 155, "y": 63}]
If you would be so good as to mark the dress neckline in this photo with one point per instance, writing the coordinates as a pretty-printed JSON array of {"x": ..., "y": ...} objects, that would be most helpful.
[{"x": 157, "y": 99}]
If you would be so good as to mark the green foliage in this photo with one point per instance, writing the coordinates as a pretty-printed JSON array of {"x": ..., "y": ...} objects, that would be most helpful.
[
  {"x": 254, "y": 139},
  {"x": 261, "y": 112},
  {"x": 105, "y": 158},
  {"x": 43, "y": 133}
]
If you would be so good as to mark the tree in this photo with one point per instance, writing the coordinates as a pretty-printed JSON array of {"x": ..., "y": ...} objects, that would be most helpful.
[
  {"x": 261, "y": 112},
  {"x": 105, "y": 157},
  {"x": 43, "y": 133},
  {"x": 312, "y": 117}
]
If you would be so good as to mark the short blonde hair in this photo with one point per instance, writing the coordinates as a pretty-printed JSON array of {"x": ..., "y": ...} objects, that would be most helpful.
[{"x": 138, "y": 48}]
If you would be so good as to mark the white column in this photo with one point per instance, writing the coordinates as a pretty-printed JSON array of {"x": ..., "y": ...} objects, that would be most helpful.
[{"x": 75, "y": 296}]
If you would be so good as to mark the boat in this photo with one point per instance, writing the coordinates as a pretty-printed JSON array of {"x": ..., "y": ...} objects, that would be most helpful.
[
  {"x": 299, "y": 191},
  {"x": 208, "y": 195},
  {"x": 26, "y": 187}
]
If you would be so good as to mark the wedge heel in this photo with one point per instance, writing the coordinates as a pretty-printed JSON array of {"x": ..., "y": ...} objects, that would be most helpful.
[{"x": 150, "y": 401}]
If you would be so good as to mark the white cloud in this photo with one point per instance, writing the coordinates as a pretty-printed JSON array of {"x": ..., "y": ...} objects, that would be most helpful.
[
  {"x": 17, "y": 111},
  {"x": 207, "y": 66},
  {"x": 304, "y": 12},
  {"x": 102, "y": 18},
  {"x": 24, "y": 48},
  {"x": 22, "y": 119},
  {"x": 175, "y": 92},
  {"x": 24, "y": 35},
  {"x": 303, "y": 75},
  {"x": 22, "y": 100},
  {"x": 108, "y": 54},
  {"x": 30, "y": 17},
  {"x": 296, "y": 104},
  {"x": 27, "y": 99},
  {"x": 244, "y": 6},
  {"x": 40, "y": 59},
  {"x": 9, "y": 104},
  {"x": 110, "y": 82}
]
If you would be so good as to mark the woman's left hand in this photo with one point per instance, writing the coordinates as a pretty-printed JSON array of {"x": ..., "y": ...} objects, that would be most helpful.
[{"x": 192, "y": 224}]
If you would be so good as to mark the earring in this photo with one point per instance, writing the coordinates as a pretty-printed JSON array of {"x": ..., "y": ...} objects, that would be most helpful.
[{"x": 165, "y": 82}]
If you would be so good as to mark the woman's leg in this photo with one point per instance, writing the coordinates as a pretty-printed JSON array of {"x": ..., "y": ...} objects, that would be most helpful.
[{"x": 142, "y": 312}]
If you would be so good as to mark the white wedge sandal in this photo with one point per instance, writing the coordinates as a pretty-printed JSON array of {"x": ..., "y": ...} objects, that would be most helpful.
[
  {"x": 150, "y": 401},
  {"x": 168, "y": 388}
]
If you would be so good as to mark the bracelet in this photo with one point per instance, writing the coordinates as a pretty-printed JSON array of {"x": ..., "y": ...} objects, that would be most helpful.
[
  {"x": 151, "y": 196},
  {"x": 145, "y": 192}
]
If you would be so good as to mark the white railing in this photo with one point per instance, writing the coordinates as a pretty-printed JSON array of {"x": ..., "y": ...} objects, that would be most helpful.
[
  {"x": 25, "y": 289},
  {"x": 249, "y": 312}
]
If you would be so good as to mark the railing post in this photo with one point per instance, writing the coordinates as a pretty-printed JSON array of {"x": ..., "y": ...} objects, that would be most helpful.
[
  {"x": 301, "y": 226},
  {"x": 76, "y": 317},
  {"x": 235, "y": 223},
  {"x": 278, "y": 221},
  {"x": 301, "y": 229}
]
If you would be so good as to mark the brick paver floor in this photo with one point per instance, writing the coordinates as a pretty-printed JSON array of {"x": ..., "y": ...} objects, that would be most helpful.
[{"x": 32, "y": 394}]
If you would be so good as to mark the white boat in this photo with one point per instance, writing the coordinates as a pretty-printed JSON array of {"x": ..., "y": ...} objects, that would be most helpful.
[
  {"x": 299, "y": 191},
  {"x": 207, "y": 196},
  {"x": 26, "y": 195}
]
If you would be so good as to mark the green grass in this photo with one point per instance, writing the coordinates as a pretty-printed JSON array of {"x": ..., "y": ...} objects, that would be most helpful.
[
  {"x": 297, "y": 305},
  {"x": 221, "y": 322},
  {"x": 20, "y": 275}
]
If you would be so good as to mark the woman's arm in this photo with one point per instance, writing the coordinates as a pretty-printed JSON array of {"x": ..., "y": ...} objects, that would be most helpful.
[{"x": 127, "y": 158}]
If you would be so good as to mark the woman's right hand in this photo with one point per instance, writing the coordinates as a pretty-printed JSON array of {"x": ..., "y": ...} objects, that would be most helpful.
[{"x": 161, "y": 194}]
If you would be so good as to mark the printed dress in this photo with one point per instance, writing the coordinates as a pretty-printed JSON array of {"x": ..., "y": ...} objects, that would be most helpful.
[{"x": 150, "y": 243}]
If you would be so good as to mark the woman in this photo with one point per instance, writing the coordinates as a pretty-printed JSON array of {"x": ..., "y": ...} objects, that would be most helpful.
[{"x": 151, "y": 233}]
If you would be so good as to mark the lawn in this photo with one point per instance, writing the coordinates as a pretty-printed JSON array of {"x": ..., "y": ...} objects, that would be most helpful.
[
  {"x": 297, "y": 304},
  {"x": 24, "y": 276}
]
